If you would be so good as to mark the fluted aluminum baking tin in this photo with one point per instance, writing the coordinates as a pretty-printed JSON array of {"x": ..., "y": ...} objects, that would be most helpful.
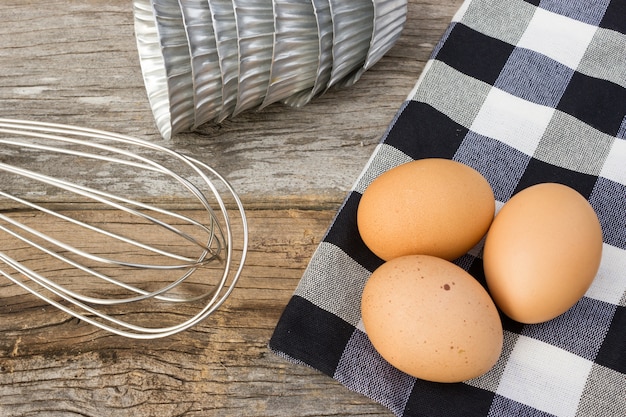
[
  {"x": 175, "y": 49},
  {"x": 152, "y": 64},
  {"x": 324, "y": 23},
  {"x": 353, "y": 23},
  {"x": 225, "y": 26},
  {"x": 255, "y": 28},
  {"x": 296, "y": 50},
  {"x": 205, "y": 60},
  {"x": 205, "y": 65},
  {"x": 389, "y": 19}
]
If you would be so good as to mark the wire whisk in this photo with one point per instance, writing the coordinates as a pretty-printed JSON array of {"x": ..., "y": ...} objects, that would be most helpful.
[{"x": 121, "y": 233}]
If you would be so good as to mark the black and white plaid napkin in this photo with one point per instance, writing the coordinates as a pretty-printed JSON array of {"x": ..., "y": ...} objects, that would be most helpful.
[{"x": 525, "y": 92}]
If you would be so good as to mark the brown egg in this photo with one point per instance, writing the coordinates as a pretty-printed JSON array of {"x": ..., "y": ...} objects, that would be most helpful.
[
  {"x": 542, "y": 252},
  {"x": 430, "y": 206},
  {"x": 431, "y": 319}
]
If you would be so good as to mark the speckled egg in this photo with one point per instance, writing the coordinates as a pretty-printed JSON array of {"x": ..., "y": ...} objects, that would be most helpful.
[{"x": 431, "y": 319}]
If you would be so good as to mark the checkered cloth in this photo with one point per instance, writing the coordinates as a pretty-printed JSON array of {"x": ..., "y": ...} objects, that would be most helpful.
[{"x": 525, "y": 92}]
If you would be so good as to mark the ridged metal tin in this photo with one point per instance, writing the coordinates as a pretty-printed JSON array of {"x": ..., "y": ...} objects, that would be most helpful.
[
  {"x": 324, "y": 23},
  {"x": 206, "y": 60},
  {"x": 205, "y": 65},
  {"x": 296, "y": 50},
  {"x": 225, "y": 25},
  {"x": 389, "y": 20},
  {"x": 152, "y": 64},
  {"x": 255, "y": 28},
  {"x": 353, "y": 23},
  {"x": 175, "y": 49}
]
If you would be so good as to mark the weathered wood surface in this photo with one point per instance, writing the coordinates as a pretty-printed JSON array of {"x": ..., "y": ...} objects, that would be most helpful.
[{"x": 75, "y": 62}]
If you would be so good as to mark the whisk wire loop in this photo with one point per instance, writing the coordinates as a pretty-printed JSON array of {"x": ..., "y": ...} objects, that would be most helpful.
[
  {"x": 94, "y": 194},
  {"x": 81, "y": 191},
  {"x": 93, "y": 300},
  {"x": 172, "y": 276}
]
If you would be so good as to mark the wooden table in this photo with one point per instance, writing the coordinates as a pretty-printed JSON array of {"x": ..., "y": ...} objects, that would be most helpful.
[{"x": 75, "y": 62}]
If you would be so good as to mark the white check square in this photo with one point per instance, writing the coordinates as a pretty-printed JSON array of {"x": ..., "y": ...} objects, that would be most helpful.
[
  {"x": 609, "y": 285},
  {"x": 512, "y": 120},
  {"x": 544, "y": 377},
  {"x": 561, "y": 38},
  {"x": 614, "y": 167}
]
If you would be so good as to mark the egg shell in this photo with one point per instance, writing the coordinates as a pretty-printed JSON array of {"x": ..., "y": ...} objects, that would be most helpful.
[
  {"x": 431, "y": 319},
  {"x": 430, "y": 206},
  {"x": 542, "y": 252}
]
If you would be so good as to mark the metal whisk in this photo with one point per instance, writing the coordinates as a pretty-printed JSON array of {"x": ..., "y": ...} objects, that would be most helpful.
[{"x": 143, "y": 258}]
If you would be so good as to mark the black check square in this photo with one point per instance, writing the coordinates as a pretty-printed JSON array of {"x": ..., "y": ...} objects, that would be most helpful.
[
  {"x": 424, "y": 132},
  {"x": 322, "y": 332},
  {"x": 538, "y": 171},
  {"x": 614, "y": 17},
  {"x": 462, "y": 398},
  {"x": 612, "y": 354},
  {"x": 474, "y": 53},
  {"x": 345, "y": 235},
  {"x": 597, "y": 102}
]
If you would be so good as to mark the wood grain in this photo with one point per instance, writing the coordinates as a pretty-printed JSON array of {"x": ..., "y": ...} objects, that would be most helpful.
[{"x": 75, "y": 62}]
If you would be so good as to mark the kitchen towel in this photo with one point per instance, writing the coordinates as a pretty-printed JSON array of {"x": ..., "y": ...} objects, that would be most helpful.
[{"x": 525, "y": 92}]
